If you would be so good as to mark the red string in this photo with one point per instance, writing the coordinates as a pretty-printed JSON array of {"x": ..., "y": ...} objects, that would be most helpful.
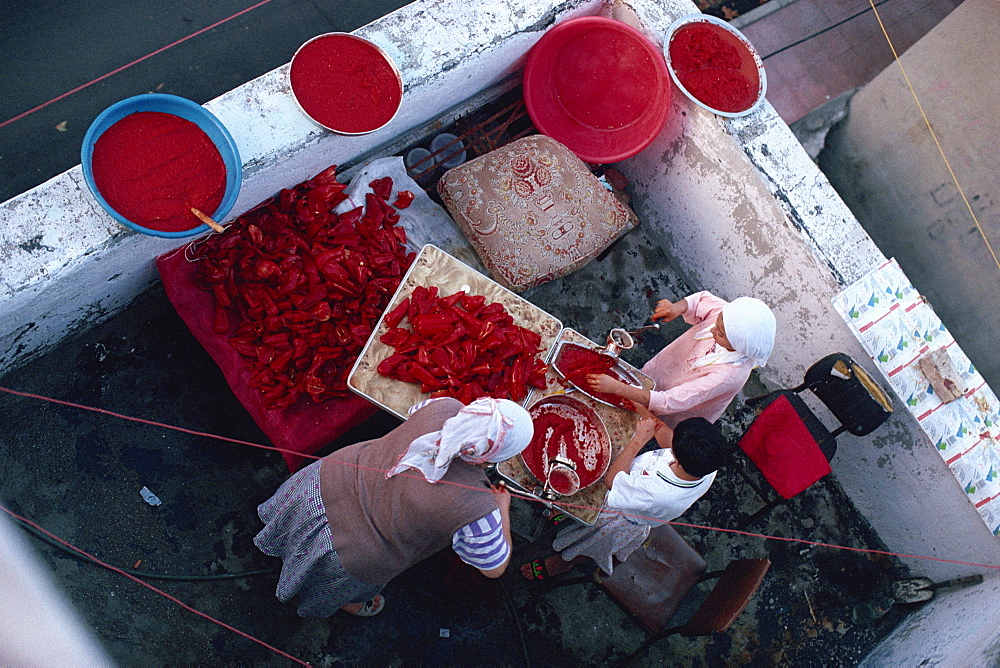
[
  {"x": 155, "y": 423},
  {"x": 134, "y": 62},
  {"x": 149, "y": 586},
  {"x": 513, "y": 493}
]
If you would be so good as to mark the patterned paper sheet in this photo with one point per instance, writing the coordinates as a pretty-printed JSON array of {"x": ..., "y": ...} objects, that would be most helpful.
[{"x": 897, "y": 327}]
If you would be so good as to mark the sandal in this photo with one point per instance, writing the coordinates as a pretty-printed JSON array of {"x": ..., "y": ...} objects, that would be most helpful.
[
  {"x": 371, "y": 607},
  {"x": 537, "y": 570},
  {"x": 557, "y": 519}
]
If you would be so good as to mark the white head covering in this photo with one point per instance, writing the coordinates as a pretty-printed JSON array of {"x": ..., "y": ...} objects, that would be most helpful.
[
  {"x": 750, "y": 328},
  {"x": 487, "y": 430}
]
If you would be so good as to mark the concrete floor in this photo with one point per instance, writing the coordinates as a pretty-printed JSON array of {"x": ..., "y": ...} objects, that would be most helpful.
[{"x": 78, "y": 474}]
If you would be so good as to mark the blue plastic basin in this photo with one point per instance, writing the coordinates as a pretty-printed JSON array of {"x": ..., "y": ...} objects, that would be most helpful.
[{"x": 188, "y": 110}]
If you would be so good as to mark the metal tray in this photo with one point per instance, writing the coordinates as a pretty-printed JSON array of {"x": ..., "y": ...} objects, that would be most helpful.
[
  {"x": 627, "y": 375},
  {"x": 434, "y": 267}
]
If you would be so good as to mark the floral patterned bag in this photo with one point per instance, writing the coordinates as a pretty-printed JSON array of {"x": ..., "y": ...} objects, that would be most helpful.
[{"x": 533, "y": 211}]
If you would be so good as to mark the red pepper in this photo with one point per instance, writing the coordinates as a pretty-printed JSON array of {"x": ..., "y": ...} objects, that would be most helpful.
[
  {"x": 277, "y": 340},
  {"x": 425, "y": 377},
  {"x": 389, "y": 364},
  {"x": 430, "y": 324},
  {"x": 280, "y": 362},
  {"x": 351, "y": 217},
  {"x": 382, "y": 187},
  {"x": 473, "y": 303},
  {"x": 221, "y": 296},
  {"x": 442, "y": 346},
  {"x": 361, "y": 333},
  {"x": 450, "y": 301},
  {"x": 396, "y": 315},
  {"x": 220, "y": 325},
  {"x": 320, "y": 311},
  {"x": 265, "y": 355},
  {"x": 256, "y": 237},
  {"x": 403, "y": 199},
  {"x": 395, "y": 337},
  {"x": 267, "y": 269},
  {"x": 300, "y": 278}
]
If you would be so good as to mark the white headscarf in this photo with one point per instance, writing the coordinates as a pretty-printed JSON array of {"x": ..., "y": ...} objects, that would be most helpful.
[
  {"x": 750, "y": 328},
  {"x": 487, "y": 430}
]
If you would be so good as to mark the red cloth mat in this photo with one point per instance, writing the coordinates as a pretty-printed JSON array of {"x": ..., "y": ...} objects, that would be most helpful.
[
  {"x": 780, "y": 444},
  {"x": 304, "y": 427}
]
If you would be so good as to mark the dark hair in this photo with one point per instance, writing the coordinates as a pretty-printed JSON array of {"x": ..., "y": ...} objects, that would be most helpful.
[{"x": 699, "y": 446}]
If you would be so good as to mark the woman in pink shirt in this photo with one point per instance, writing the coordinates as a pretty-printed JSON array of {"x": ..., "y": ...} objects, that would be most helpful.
[{"x": 700, "y": 371}]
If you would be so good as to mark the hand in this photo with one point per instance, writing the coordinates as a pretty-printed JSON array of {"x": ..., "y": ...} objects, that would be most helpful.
[
  {"x": 601, "y": 382},
  {"x": 502, "y": 496},
  {"x": 643, "y": 411},
  {"x": 664, "y": 435},
  {"x": 667, "y": 310},
  {"x": 646, "y": 428}
]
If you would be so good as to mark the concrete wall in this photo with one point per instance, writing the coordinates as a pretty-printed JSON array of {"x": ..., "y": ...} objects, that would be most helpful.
[{"x": 888, "y": 167}]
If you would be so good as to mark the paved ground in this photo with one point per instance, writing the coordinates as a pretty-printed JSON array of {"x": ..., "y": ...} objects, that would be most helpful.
[
  {"x": 815, "y": 50},
  {"x": 49, "y": 48}
]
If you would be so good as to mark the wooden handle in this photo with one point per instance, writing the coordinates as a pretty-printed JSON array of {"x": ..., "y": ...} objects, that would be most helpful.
[{"x": 208, "y": 220}]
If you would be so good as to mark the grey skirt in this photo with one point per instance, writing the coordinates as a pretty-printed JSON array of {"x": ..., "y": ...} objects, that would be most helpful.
[
  {"x": 613, "y": 536},
  {"x": 296, "y": 530}
]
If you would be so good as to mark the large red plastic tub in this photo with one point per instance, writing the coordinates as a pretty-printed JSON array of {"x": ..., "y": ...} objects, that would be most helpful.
[{"x": 598, "y": 86}]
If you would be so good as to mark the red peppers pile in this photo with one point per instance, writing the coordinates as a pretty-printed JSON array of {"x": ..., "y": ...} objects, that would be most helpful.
[
  {"x": 575, "y": 363},
  {"x": 459, "y": 346},
  {"x": 306, "y": 285}
]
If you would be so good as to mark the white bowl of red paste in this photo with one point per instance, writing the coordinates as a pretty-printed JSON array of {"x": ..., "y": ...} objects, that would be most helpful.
[
  {"x": 714, "y": 65},
  {"x": 150, "y": 159},
  {"x": 345, "y": 83}
]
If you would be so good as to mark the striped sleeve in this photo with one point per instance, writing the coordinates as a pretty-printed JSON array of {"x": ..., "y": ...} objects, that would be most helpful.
[
  {"x": 481, "y": 544},
  {"x": 416, "y": 407}
]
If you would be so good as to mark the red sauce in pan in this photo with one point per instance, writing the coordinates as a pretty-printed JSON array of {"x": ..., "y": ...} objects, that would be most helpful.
[{"x": 570, "y": 430}]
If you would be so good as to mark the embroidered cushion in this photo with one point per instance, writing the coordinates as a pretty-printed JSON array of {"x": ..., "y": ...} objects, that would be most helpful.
[{"x": 533, "y": 211}]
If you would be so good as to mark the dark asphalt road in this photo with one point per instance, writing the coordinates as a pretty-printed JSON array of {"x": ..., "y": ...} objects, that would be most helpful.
[{"x": 48, "y": 48}]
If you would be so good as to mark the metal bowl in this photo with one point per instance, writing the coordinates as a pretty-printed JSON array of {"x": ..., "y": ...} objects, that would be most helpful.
[
  {"x": 590, "y": 459},
  {"x": 738, "y": 38},
  {"x": 304, "y": 53}
]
